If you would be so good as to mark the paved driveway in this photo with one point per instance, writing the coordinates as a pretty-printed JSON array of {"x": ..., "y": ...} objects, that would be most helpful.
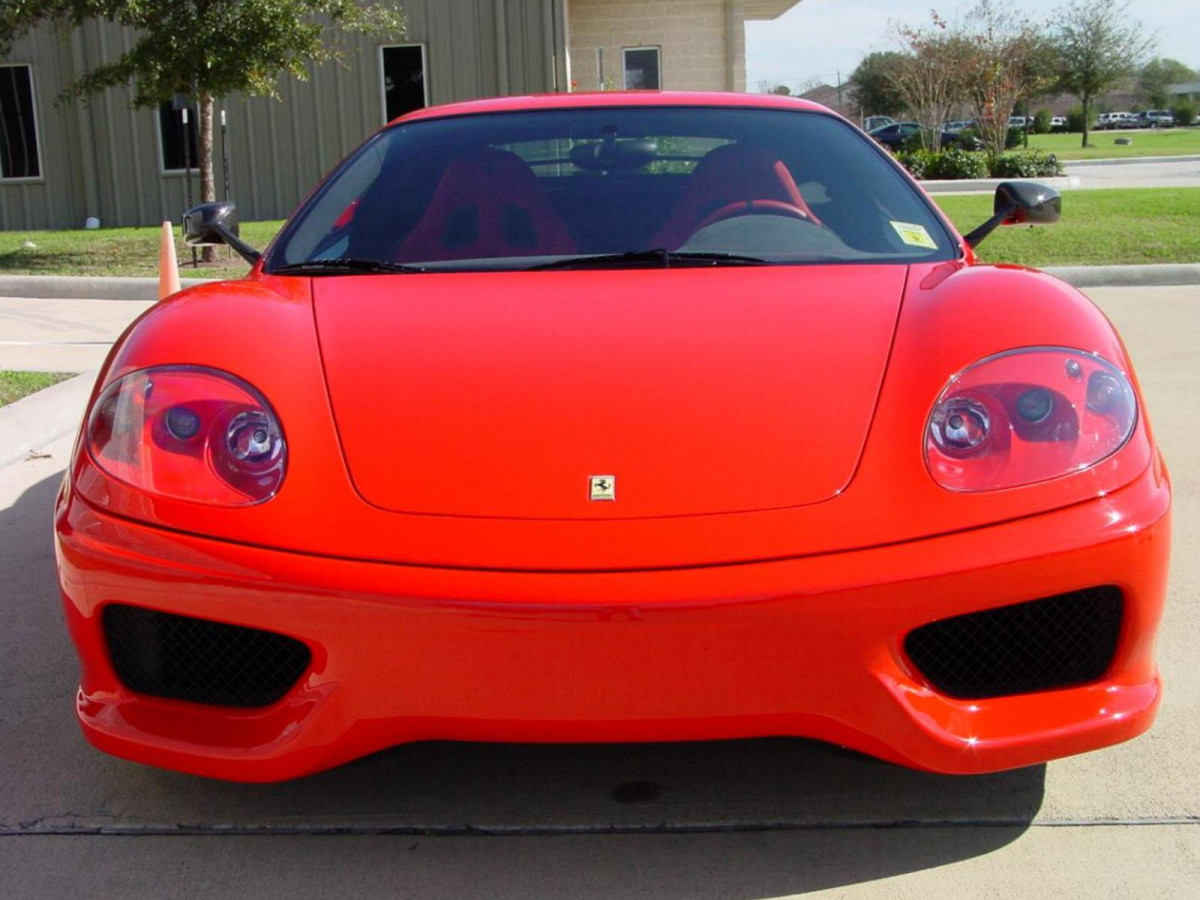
[
  {"x": 1137, "y": 175},
  {"x": 745, "y": 819},
  {"x": 61, "y": 335}
]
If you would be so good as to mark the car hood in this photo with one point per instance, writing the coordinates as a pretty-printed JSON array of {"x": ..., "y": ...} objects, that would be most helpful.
[{"x": 698, "y": 391}]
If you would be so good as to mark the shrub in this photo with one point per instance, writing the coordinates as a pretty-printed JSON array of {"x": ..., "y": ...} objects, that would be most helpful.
[
  {"x": 1075, "y": 118},
  {"x": 956, "y": 163},
  {"x": 1015, "y": 138},
  {"x": 1184, "y": 112},
  {"x": 911, "y": 143},
  {"x": 916, "y": 161},
  {"x": 1041, "y": 121},
  {"x": 1026, "y": 164}
]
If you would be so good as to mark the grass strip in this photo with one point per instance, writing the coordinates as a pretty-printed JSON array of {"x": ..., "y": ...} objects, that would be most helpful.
[
  {"x": 116, "y": 251},
  {"x": 1102, "y": 144},
  {"x": 1107, "y": 227},
  {"x": 1103, "y": 227},
  {"x": 15, "y": 385}
]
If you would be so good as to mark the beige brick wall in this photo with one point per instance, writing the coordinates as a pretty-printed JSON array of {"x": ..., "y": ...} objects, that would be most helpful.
[{"x": 695, "y": 37}]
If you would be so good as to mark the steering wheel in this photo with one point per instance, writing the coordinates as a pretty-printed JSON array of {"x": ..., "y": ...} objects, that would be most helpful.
[{"x": 754, "y": 208}]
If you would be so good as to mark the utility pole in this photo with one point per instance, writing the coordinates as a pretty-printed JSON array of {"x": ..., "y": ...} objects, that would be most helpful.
[
  {"x": 224, "y": 154},
  {"x": 839, "y": 87},
  {"x": 187, "y": 168}
]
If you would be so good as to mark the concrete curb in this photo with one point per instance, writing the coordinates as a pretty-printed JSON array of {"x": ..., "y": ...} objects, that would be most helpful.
[
  {"x": 1167, "y": 274},
  {"x": 68, "y": 287},
  {"x": 39, "y": 419},
  {"x": 1127, "y": 160},
  {"x": 986, "y": 185}
]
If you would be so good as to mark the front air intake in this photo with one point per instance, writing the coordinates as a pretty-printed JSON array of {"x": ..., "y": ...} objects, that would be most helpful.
[
  {"x": 183, "y": 658},
  {"x": 1055, "y": 642}
]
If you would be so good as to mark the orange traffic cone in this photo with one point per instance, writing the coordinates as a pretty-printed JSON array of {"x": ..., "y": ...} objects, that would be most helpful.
[{"x": 168, "y": 266}]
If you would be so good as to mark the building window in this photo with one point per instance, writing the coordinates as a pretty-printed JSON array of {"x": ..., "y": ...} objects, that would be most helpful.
[
  {"x": 172, "y": 133},
  {"x": 642, "y": 70},
  {"x": 18, "y": 124},
  {"x": 403, "y": 69}
]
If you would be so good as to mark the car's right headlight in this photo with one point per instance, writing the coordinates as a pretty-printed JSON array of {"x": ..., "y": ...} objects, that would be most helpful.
[{"x": 189, "y": 433}]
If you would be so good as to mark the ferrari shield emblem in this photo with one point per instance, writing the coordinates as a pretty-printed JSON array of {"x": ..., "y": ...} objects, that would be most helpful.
[{"x": 602, "y": 487}]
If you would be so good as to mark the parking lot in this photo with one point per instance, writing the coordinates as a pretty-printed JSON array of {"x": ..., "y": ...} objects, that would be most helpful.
[{"x": 742, "y": 819}]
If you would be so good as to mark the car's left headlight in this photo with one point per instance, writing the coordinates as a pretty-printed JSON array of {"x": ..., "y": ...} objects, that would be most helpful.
[{"x": 1026, "y": 416}]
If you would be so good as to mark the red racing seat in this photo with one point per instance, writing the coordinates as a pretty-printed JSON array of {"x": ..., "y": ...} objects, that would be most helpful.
[
  {"x": 732, "y": 173},
  {"x": 487, "y": 204}
]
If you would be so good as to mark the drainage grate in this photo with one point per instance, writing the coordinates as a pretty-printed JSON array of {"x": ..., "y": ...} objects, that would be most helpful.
[
  {"x": 1041, "y": 645},
  {"x": 183, "y": 658}
]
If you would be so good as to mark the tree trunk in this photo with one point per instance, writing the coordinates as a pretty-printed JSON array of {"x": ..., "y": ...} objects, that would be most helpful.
[
  {"x": 208, "y": 181},
  {"x": 1086, "y": 102}
]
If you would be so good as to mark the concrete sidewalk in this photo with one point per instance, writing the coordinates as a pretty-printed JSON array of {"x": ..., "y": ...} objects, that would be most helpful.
[
  {"x": 50, "y": 335},
  {"x": 35, "y": 422}
]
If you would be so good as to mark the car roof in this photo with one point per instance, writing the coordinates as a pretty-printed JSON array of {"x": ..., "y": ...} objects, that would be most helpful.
[{"x": 596, "y": 99}]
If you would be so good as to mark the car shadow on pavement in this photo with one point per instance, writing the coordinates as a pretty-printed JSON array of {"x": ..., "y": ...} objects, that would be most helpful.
[{"x": 829, "y": 817}]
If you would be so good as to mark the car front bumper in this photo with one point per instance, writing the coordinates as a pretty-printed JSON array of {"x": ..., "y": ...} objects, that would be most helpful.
[{"x": 811, "y": 647}]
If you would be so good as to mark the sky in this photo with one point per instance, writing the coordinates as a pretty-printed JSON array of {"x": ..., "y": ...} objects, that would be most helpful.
[{"x": 818, "y": 38}]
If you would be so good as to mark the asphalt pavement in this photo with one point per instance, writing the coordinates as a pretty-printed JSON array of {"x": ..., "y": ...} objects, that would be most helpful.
[
  {"x": 738, "y": 819},
  {"x": 1162, "y": 173}
]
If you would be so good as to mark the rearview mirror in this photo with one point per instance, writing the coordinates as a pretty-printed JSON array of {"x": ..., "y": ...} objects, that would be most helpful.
[
  {"x": 216, "y": 223},
  {"x": 200, "y": 223},
  {"x": 1027, "y": 203},
  {"x": 1019, "y": 203}
]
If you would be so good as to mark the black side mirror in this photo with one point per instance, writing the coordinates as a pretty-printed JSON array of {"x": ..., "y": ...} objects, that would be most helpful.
[
  {"x": 1019, "y": 203},
  {"x": 216, "y": 223}
]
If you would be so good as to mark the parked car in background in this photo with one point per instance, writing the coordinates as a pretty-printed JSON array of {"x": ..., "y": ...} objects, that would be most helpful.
[
  {"x": 1058, "y": 123},
  {"x": 1112, "y": 120},
  {"x": 872, "y": 122},
  {"x": 893, "y": 136},
  {"x": 1156, "y": 118},
  {"x": 958, "y": 125},
  {"x": 1019, "y": 121}
]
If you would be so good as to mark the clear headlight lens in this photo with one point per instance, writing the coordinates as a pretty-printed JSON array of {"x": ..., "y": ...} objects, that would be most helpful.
[
  {"x": 189, "y": 433},
  {"x": 1026, "y": 416}
]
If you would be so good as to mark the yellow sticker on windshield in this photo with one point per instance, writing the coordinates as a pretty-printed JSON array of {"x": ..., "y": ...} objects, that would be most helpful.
[{"x": 915, "y": 235}]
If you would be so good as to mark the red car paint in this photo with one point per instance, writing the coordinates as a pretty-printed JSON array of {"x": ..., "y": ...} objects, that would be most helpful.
[{"x": 776, "y": 534}]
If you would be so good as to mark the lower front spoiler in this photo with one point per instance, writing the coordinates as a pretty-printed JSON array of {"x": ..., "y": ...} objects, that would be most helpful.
[{"x": 810, "y": 647}]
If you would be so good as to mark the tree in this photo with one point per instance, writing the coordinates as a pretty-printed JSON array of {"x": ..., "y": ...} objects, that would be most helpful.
[
  {"x": 1008, "y": 62},
  {"x": 206, "y": 49},
  {"x": 782, "y": 90},
  {"x": 872, "y": 84},
  {"x": 928, "y": 75},
  {"x": 1156, "y": 75},
  {"x": 1096, "y": 44}
]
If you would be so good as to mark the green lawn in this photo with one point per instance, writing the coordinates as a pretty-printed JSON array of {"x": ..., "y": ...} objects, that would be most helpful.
[
  {"x": 1164, "y": 142},
  {"x": 115, "y": 251},
  {"x": 15, "y": 385},
  {"x": 1154, "y": 225},
  {"x": 1111, "y": 227}
]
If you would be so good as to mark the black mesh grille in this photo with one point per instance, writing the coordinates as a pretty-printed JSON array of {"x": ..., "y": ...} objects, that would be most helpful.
[
  {"x": 1044, "y": 644},
  {"x": 182, "y": 658}
]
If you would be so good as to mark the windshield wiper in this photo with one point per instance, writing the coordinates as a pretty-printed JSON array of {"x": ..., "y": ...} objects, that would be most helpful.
[
  {"x": 347, "y": 267},
  {"x": 667, "y": 258}
]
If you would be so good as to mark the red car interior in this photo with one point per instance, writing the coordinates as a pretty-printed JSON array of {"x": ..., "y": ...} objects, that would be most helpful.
[
  {"x": 734, "y": 173},
  {"x": 487, "y": 204}
]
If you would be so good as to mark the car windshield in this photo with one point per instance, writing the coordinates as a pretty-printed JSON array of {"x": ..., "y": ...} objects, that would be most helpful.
[{"x": 612, "y": 186}]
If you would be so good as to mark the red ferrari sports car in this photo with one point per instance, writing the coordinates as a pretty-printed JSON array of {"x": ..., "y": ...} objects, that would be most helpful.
[{"x": 617, "y": 417}]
